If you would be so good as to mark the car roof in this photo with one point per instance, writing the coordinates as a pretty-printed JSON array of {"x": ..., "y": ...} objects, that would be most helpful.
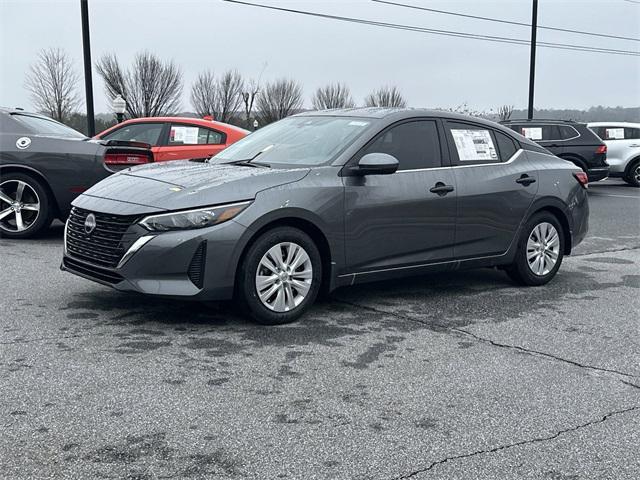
[
  {"x": 540, "y": 120},
  {"x": 12, "y": 110},
  {"x": 396, "y": 114},
  {"x": 613, "y": 124},
  {"x": 195, "y": 121}
]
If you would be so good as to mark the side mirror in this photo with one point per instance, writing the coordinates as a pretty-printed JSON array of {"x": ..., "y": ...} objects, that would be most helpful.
[{"x": 376, "y": 164}]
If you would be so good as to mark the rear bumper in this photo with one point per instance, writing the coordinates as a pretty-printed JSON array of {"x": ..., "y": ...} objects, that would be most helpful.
[
  {"x": 596, "y": 174},
  {"x": 173, "y": 265}
]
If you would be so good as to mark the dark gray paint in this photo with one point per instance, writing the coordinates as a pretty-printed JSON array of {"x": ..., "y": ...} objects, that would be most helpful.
[
  {"x": 375, "y": 227},
  {"x": 66, "y": 165}
]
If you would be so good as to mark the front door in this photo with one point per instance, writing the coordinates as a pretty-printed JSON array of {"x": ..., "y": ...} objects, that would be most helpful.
[
  {"x": 496, "y": 185},
  {"x": 395, "y": 221}
]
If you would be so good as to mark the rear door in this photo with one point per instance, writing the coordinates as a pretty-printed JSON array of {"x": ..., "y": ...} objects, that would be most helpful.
[
  {"x": 496, "y": 184},
  {"x": 622, "y": 144},
  {"x": 395, "y": 221},
  {"x": 186, "y": 141}
]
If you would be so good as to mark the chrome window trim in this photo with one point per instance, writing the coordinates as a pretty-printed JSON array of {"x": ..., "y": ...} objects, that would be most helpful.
[{"x": 492, "y": 164}]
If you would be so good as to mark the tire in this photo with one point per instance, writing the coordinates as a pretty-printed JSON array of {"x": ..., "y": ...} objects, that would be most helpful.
[
  {"x": 282, "y": 295},
  {"x": 632, "y": 177},
  {"x": 26, "y": 222},
  {"x": 528, "y": 272}
]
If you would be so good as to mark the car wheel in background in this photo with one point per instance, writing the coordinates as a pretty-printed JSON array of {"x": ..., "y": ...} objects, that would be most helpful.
[
  {"x": 25, "y": 208},
  {"x": 632, "y": 176},
  {"x": 280, "y": 276},
  {"x": 540, "y": 251}
]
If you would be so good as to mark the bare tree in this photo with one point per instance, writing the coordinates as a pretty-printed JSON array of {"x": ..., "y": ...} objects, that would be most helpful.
[
  {"x": 203, "y": 94},
  {"x": 249, "y": 94},
  {"x": 335, "y": 95},
  {"x": 505, "y": 112},
  {"x": 279, "y": 100},
  {"x": 150, "y": 87},
  {"x": 219, "y": 98},
  {"x": 388, "y": 96},
  {"x": 52, "y": 82}
]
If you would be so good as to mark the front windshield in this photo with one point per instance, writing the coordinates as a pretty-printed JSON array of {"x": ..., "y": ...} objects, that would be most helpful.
[
  {"x": 296, "y": 141},
  {"x": 45, "y": 126}
]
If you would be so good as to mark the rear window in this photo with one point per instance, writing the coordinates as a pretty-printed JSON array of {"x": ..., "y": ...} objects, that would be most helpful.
[{"x": 46, "y": 126}]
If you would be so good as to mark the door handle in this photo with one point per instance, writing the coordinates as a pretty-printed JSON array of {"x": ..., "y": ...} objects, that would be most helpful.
[
  {"x": 441, "y": 189},
  {"x": 634, "y": 145},
  {"x": 526, "y": 180}
]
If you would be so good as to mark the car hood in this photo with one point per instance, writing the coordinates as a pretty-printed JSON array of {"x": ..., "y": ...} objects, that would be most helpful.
[{"x": 186, "y": 184}]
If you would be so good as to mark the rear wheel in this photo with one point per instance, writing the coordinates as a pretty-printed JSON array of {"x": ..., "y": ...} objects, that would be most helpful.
[
  {"x": 280, "y": 276},
  {"x": 632, "y": 176},
  {"x": 540, "y": 251},
  {"x": 25, "y": 208}
]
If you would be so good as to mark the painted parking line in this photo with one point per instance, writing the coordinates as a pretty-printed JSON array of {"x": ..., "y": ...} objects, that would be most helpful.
[{"x": 612, "y": 195}]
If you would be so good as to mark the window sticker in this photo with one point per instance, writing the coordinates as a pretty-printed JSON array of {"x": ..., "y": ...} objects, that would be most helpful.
[
  {"x": 532, "y": 133},
  {"x": 474, "y": 145},
  {"x": 185, "y": 135},
  {"x": 614, "y": 133},
  {"x": 357, "y": 123}
]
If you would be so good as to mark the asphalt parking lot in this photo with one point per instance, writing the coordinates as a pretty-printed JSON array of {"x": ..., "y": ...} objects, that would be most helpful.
[{"x": 447, "y": 376}]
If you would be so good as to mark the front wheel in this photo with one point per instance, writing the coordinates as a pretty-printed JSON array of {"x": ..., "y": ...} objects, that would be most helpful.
[
  {"x": 540, "y": 251},
  {"x": 280, "y": 276}
]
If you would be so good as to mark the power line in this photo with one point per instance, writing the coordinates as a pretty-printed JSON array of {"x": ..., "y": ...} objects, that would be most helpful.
[
  {"x": 449, "y": 33},
  {"x": 510, "y": 22}
]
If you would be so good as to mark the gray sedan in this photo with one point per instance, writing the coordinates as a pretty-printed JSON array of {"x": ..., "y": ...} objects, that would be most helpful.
[{"x": 329, "y": 199}]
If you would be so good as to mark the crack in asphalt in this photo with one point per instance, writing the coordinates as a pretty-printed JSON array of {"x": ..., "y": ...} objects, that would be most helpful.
[
  {"x": 497, "y": 344},
  {"x": 603, "y": 419}
]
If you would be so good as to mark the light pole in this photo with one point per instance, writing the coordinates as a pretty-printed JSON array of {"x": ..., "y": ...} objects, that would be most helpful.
[
  {"x": 532, "y": 60},
  {"x": 119, "y": 106},
  {"x": 88, "y": 82},
  {"x": 255, "y": 125}
]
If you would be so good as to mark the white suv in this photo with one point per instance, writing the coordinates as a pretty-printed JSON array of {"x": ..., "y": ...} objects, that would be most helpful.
[{"x": 623, "y": 149}]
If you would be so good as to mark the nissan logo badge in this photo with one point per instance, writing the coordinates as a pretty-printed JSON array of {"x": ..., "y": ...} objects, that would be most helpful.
[{"x": 90, "y": 223}]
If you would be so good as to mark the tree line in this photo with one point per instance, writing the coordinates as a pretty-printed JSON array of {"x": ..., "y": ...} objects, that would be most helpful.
[{"x": 154, "y": 87}]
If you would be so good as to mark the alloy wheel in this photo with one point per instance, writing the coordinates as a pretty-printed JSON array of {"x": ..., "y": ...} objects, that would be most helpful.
[
  {"x": 636, "y": 173},
  {"x": 543, "y": 249},
  {"x": 284, "y": 276},
  {"x": 19, "y": 206}
]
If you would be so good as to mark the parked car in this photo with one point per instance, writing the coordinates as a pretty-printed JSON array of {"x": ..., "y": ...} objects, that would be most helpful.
[
  {"x": 44, "y": 165},
  {"x": 623, "y": 149},
  {"x": 327, "y": 199},
  {"x": 570, "y": 140},
  {"x": 177, "y": 138}
]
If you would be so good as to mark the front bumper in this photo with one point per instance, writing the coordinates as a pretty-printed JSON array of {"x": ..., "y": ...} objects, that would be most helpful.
[{"x": 172, "y": 264}]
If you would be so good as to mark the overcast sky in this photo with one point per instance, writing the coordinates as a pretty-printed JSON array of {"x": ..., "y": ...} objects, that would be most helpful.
[{"x": 430, "y": 70}]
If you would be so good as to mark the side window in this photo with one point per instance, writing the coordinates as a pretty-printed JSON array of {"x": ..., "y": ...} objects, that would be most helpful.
[
  {"x": 540, "y": 133},
  {"x": 567, "y": 132},
  {"x": 137, "y": 132},
  {"x": 192, "y": 135},
  {"x": 472, "y": 144},
  {"x": 632, "y": 133},
  {"x": 415, "y": 144},
  {"x": 506, "y": 146}
]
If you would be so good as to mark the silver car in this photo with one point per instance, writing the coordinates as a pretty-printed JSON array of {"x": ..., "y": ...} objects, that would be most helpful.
[{"x": 623, "y": 149}]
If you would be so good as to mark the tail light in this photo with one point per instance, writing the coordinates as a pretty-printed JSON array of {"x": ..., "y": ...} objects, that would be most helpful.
[
  {"x": 126, "y": 159},
  {"x": 582, "y": 179},
  {"x": 601, "y": 149}
]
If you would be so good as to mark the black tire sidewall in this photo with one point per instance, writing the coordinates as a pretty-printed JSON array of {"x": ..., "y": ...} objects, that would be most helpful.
[
  {"x": 44, "y": 216},
  {"x": 246, "y": 290},
  {"x": 520, "y": 270},
  {"x": 629, "y": 175}
]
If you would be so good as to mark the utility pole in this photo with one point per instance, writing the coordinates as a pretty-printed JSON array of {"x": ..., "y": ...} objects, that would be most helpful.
[
  {"x": 532, "y": 64},
  {"x": 88, "y": 81}
]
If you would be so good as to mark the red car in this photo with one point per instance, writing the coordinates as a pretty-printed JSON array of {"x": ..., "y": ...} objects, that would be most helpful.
[{"x": 177, "y": 138}]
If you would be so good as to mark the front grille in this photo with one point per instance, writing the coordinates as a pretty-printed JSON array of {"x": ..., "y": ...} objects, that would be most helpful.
[
  {"x": 196, "y": 267},
  {"x": 90, "y": 271},
  {"x": 105, "y": 245}
]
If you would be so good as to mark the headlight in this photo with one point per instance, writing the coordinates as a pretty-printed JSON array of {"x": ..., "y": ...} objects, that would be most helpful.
[{"x": 188, "y": 219}]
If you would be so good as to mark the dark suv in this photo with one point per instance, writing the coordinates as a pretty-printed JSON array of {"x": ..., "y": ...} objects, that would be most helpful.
[{"x": 570, "y": 140}]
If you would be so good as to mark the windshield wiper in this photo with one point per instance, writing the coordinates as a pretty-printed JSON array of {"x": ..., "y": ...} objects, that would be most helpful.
[{"x": 247, "y": 162}]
